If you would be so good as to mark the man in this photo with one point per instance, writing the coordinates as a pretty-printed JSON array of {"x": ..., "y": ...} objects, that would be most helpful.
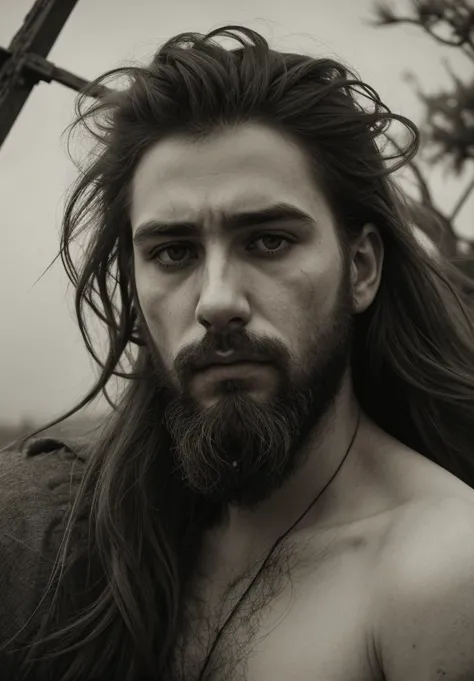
[{"x": 281, "y": 491}]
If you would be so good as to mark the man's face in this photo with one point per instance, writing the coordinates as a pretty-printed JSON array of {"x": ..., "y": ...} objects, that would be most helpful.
[{"x": 277, "y": 291}]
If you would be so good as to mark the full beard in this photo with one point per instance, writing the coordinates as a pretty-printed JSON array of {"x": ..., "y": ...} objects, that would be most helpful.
[{"x": 239, "y": 450}]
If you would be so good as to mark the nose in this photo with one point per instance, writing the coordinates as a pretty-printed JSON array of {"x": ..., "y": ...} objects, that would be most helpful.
[{"x": 222, "y": 303}]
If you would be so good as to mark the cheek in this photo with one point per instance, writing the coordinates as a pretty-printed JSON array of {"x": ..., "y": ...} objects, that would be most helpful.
[
  {"x": 160, "y": 310},
  {"x": 302, "y": 304}
]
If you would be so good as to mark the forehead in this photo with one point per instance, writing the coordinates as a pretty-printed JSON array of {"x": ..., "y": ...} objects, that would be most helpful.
[{"x": 240, "y": 168}]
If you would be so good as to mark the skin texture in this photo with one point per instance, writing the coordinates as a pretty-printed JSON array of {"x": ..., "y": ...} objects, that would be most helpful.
[
  {"x": 297, "y": 304},
  {"x": 358, "y": 561}
]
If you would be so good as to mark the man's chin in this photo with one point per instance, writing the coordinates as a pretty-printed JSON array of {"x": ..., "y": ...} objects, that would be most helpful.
[{"x": 236, "y": 451}]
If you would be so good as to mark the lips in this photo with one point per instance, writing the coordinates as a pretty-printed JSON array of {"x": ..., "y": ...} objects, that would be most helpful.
[
  {"x": 235, "y": 358},
  {"x": 222, "y": 365},
  {"x": 232, "y": 370}
]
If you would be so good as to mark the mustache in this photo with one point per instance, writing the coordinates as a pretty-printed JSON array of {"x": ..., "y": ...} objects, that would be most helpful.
[{"x": 243, "y": 343}]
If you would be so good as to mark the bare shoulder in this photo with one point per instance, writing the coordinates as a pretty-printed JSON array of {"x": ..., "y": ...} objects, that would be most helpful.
[
  {"x": 424, "y": 617},
  {"x": 428, "y": 534}
]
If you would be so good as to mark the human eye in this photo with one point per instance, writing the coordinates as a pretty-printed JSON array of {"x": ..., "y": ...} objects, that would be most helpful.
[
  {"x": 271, "y": 248},
  {"x": 174, "y": 252}
]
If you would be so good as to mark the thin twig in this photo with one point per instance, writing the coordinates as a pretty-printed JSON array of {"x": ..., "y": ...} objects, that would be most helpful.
[
  {"x": 462, "y": 200},
  {"x": 462, "y": 42}
]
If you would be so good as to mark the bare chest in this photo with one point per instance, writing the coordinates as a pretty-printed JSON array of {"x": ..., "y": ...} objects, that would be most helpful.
[{"x": 306, "y": 618}]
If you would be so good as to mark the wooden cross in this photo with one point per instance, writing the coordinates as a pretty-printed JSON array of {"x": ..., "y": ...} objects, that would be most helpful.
[{"x": 23, "y": 64}]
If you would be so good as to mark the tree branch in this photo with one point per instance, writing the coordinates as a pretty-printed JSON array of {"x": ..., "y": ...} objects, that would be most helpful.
[
  {"x": 462, "y": 200},
  {"x": 387, "y": 17}
]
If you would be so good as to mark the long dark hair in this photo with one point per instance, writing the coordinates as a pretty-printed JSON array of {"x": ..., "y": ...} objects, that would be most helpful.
[{"x": 116, "y": 605}]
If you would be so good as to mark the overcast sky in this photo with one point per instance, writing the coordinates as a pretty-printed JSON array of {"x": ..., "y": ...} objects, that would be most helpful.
[{"x": 44, "y": 368}]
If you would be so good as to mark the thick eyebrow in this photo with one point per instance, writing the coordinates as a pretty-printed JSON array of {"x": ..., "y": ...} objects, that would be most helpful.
[{"x": 281, "y": 212}]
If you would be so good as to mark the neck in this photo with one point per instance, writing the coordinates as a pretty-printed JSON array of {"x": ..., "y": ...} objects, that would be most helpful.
[{"x": 251, "y": 531}]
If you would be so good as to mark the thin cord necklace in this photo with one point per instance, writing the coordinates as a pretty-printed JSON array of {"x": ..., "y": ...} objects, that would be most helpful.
[{"x": 272, "y": 550}]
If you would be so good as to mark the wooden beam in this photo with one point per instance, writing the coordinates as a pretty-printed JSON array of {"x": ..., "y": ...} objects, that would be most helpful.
[
  {"x": 37, "y": 69},
  {"x": 41, "y": 27}
]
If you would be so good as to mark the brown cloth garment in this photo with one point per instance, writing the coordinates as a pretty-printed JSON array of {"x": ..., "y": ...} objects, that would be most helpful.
[{"x": 37, "y": 487}]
